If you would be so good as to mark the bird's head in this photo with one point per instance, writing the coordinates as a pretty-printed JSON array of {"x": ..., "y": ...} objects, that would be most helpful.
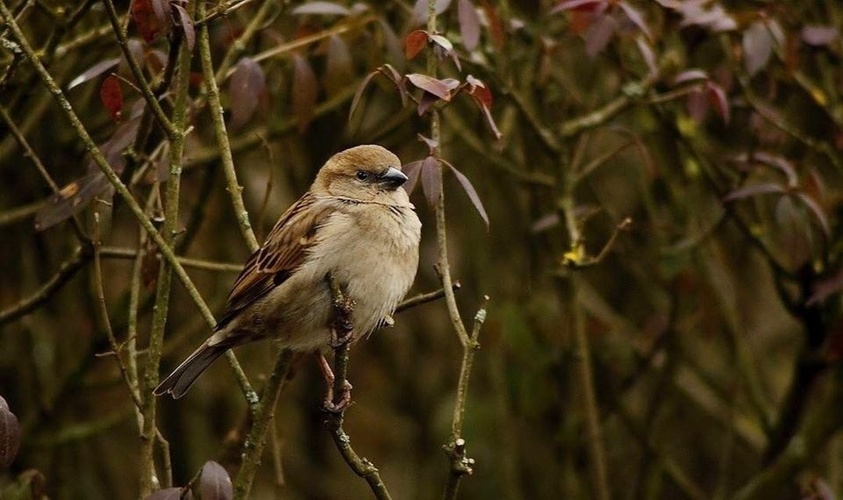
[{"x": 365, "y": 173}]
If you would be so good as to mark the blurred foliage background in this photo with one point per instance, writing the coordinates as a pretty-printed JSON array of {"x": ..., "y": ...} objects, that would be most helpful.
[{"x": 663, "y": 256}]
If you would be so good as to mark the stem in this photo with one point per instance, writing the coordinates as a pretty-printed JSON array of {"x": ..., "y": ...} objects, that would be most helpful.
[
  {"x": 213, "y": 95},
  {"x": 162, "y": 299}
]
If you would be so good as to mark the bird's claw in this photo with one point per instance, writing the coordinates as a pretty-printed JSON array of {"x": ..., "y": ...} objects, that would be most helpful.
[{"x": 330, "y": 406}]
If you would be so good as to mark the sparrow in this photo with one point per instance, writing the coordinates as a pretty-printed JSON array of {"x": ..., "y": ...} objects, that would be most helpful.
[{"x": 355, "y": 222}]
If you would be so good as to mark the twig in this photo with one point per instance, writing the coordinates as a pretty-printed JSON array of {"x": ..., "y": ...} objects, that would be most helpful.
[
  {"x": 67, "y": 270},
  {"x": 213, "y": 95},
  {"x": 263, "y": 415},
  {"x": 424, "y": 298},
  {"x": 205, "y": 265},
  {"x": 343, "y": 328},
  {"x": 164, "y": 284},
  {"x": 461, "y": 465}
]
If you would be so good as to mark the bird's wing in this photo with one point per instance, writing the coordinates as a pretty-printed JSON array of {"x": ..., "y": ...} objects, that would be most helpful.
[{"x": 282, "y": 253}]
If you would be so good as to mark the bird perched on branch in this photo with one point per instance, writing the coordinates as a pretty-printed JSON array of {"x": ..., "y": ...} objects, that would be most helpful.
[{"x": 357, "y": 223}]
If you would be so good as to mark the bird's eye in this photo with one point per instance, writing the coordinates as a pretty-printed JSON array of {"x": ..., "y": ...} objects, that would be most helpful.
[{"x": 362, "y": 175}]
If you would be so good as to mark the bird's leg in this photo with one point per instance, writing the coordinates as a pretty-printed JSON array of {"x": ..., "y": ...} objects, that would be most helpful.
[{"x": 328, "y": 375}]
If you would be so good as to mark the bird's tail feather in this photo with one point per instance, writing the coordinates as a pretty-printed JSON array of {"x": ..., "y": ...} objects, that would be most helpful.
[{"x": 183, "y": 377}]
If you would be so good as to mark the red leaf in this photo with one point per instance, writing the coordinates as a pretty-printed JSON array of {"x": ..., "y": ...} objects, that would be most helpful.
[
  {"x": 187, "y": 27},
  {"x": 757, "y": 47},
  {"x": 111, "y": 95},
  {"x": 471, "y": 192},
  {"x": 94, "y": 71},
  {"x": 414, "y": 43},
  {"x": 577, "y": 5},
  {"x": 151, "y": 17},
  {"x": 215, "y": 484},
  {"x": 338, "y": 65},
  {"x": 304, "y": 91},
  {"x": 431, "y": 178},
  {"x": 246, "y": 88},
  {"x": 469, "y": 24},
  {"x": 440, "y": 88},
  {"x": 322, "y": 8},
  {"x": 718, "y": 98},
  {"x": 478, "y": 90},
  {"x": 496, "y": 30},
  {"x": 412, "y": 171},
  {"x": 9, "y": 435}
]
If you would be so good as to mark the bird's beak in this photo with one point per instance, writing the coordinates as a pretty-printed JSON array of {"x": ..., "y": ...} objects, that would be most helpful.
[{"x": 393, "y": 178}]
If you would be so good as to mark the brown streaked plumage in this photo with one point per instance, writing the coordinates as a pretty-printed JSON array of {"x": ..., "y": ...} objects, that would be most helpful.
[{"x": 357, "y": 222}]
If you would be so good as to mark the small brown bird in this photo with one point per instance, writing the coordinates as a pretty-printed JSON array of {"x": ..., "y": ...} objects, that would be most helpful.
[{"x": 355, "y": 222}]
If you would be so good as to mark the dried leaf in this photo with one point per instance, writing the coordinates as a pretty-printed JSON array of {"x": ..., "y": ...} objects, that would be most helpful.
[
  {"x": 818, "y": 212},
  {"x": 600, "y": 34},
  {"x": 151, "y": 18},
  {"x": 469, "y": 24},
  {"x": 414, "y": 43},
  {"x": 472, "y": 193},
  {"x": 171, "y": 494},
  {"x": 322, "y": 8},
  {"x": 420, "y": 10},
  {"x": 636, "y": 18},
  {"x": 757, "y": 47},
  {"x": 754, "y": 190},
  {"x": 440, "y": 88},
  {"x": 718, "y": 98},
  {"x": 215, "y": 484},
  {"x": 690, "y": 76},
  {"x": 338, "y": 67},
  {"x": 246, "y": 88},
  {"x": 304, "y": 92},
  {"x": 9, "y": 435},
  {"x": 393, "y": 45},
  {"x": 819, "y": 36},
  {"x": 412, "y": 171},
  {"x": 578, "y": 5},
  {"x": 111, "y": 95},
  {"x": 72, "y": 199},
  {"x": 496, "y": 30},
  {"x": 187, "y": 27},
  {"x": 431, "y": 179},
  {"x": 360, "y": 89},
  {"x": 94, "y": 71}
]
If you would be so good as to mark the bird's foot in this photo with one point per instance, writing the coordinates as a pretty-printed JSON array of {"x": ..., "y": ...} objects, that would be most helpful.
[{"x": 334, "y": 405}]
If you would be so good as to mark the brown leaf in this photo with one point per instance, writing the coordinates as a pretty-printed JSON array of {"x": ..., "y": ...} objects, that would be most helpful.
[
  {"x": 338, "y": 67},
  {"x": 72, "y": 199},
  {"x": 412, "y": 171},
  {"x": 420, "y": 10},
  {"x": 9, "y": 435},
  {"x": 94, "y": 71},
  {"x": 171, "y": 494},
  {"x": 471, "y": 192},
  {"x": 430, "y": 143},
  {"x": 819, "y": 36},
  {"x": 431, "y": 178},
  {"x": 440, "y": 88},
  {"x": 600, "y": 34},
  {"x": 817, "y": 211},
  {"x": 150, "y": 18},
  {"x": 187, "y": 27},
  {"x": 637, "y": 19},
  {"x": 690, "y": 76},
  {"x": 754, "y": 190},
  {"x": 414, "y": 43},
  {"x": 757, "y": 47},
  {"x": 427, "y": 100},
  {"x": 247, "y": 87},
  {"x": 469, "y": 24},
  {"x": 215, "y": 484},
  {"x": 111, "y": 95},
  {"x": 718, "y": 98},
  {"x": 322, "y": 9},
  {"x": 304, "y": 92}
]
